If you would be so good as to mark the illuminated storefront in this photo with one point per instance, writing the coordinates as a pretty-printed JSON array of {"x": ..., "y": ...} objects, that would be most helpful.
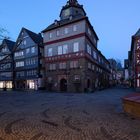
[
  {"x": 6, "y": 84},
  {"x": 32, "y": 84}
]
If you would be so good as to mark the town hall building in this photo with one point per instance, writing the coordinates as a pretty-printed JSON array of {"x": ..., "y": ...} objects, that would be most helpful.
[{"x": 73, "y": 62}]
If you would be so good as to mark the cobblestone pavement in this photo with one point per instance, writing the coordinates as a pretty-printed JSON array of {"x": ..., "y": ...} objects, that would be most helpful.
[{"x": 41, "y": 116}]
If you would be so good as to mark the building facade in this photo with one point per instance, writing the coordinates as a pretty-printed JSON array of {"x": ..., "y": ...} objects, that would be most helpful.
[
  {"x": 6, "y": 64},
  {"x": 29, "y": 61},
  {"x": 126, "y": 72},
  {"x": 113, "y": 74},
  {"x": 72, "y": 60},
  {"x": 134, "y": 61}
]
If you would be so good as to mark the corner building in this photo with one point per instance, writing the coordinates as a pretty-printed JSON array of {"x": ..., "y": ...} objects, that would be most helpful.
[{"x": 72, "y": 61}]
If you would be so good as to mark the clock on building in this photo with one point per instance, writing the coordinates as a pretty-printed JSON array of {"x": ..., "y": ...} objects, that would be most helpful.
[{"x": 67, "y": 12}]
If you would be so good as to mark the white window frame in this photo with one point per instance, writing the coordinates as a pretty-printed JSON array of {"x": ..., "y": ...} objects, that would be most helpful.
[
  {"x": 76, "y": 47},
  {"x": 66, "y": 30},
  {"x": 50, "y": 35},
  {"x": 57, "y": 32},
  {"x": 50, "y": 52},
  {"x": 27, "y": 50},
  {"x": 65, "y": 49},
  {"x": 74, "y": 28},
  {"x": 33, "y": 50},
  {"x": 89, "y": 49},
  {"x": 60, "y": 50}
]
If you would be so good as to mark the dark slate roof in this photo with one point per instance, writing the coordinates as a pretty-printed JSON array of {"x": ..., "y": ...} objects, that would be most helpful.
[
  {"x": 137, "y": 33},
  {"x": 37, "y": 38},
  {"x": 63, "y": 22},
  {"x": 10, "y": 44}
]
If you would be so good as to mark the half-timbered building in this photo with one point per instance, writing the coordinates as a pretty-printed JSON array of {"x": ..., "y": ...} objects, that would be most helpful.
[
  {"x": 28, "y": 61},
  {"x": 6, "y": 64}
]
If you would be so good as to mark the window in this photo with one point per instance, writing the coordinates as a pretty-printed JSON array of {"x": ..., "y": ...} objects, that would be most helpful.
[
  {"x": 18, "y": 54},
  {"x": 89, "y": 31},
  {"x": 74, "y": 28},
  {"x": 66, "y": 30},
  {"x": 88, "y": 49},
  {"x": 24, "y": 42},
  {"x": 93, "y": 67},
  {"x": 50, "y": 52},
  {"x": 57, "y": 32},
  {"x": 62, "y": 65},
  {"x": 65, "y": 49},
  {"x": 99, "y": 59},
  {"x": 77, "y": 77},
  {"x": 52, "y": 67},
  {"x": 33, "y": 49},
  {"x": 50, "y": 35},
  {"x": 20, "y": 64},
  {"x": 6, "y": 74},
  {"x": 60, "y": 51},
  {"x": 31, "y": 72},
  {"x": 20, "y": 74},
  {"x": 1, "y": 57},
  {"x": 27, "y": 50},
  {"x": 4, "y": 49},
  {"x": 1, "y": 84},
  {"x": 74, "y": 64},
  {"x": 89, "y": 65},
  {"x": 94, "y": 55},
  {"x": 31, "y": 61},
  {"x": 76, "y": 47}
]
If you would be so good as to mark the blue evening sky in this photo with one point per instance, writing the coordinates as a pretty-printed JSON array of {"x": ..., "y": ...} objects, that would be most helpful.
[{"x": 114, "y": 21}]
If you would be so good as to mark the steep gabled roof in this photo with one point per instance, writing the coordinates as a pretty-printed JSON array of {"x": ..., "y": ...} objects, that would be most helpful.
[
  {"x": 10, "y": 44},
  {"x": 37, "y": 38}
]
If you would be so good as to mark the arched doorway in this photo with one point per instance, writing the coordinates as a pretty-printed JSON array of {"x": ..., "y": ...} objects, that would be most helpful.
[
  {"x": 63, "y": 85},
  {"x": 88, "y": 84}
]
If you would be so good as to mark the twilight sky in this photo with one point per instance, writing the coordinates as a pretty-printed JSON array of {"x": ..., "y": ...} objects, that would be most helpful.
[{"x": 114, "y": 21}]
